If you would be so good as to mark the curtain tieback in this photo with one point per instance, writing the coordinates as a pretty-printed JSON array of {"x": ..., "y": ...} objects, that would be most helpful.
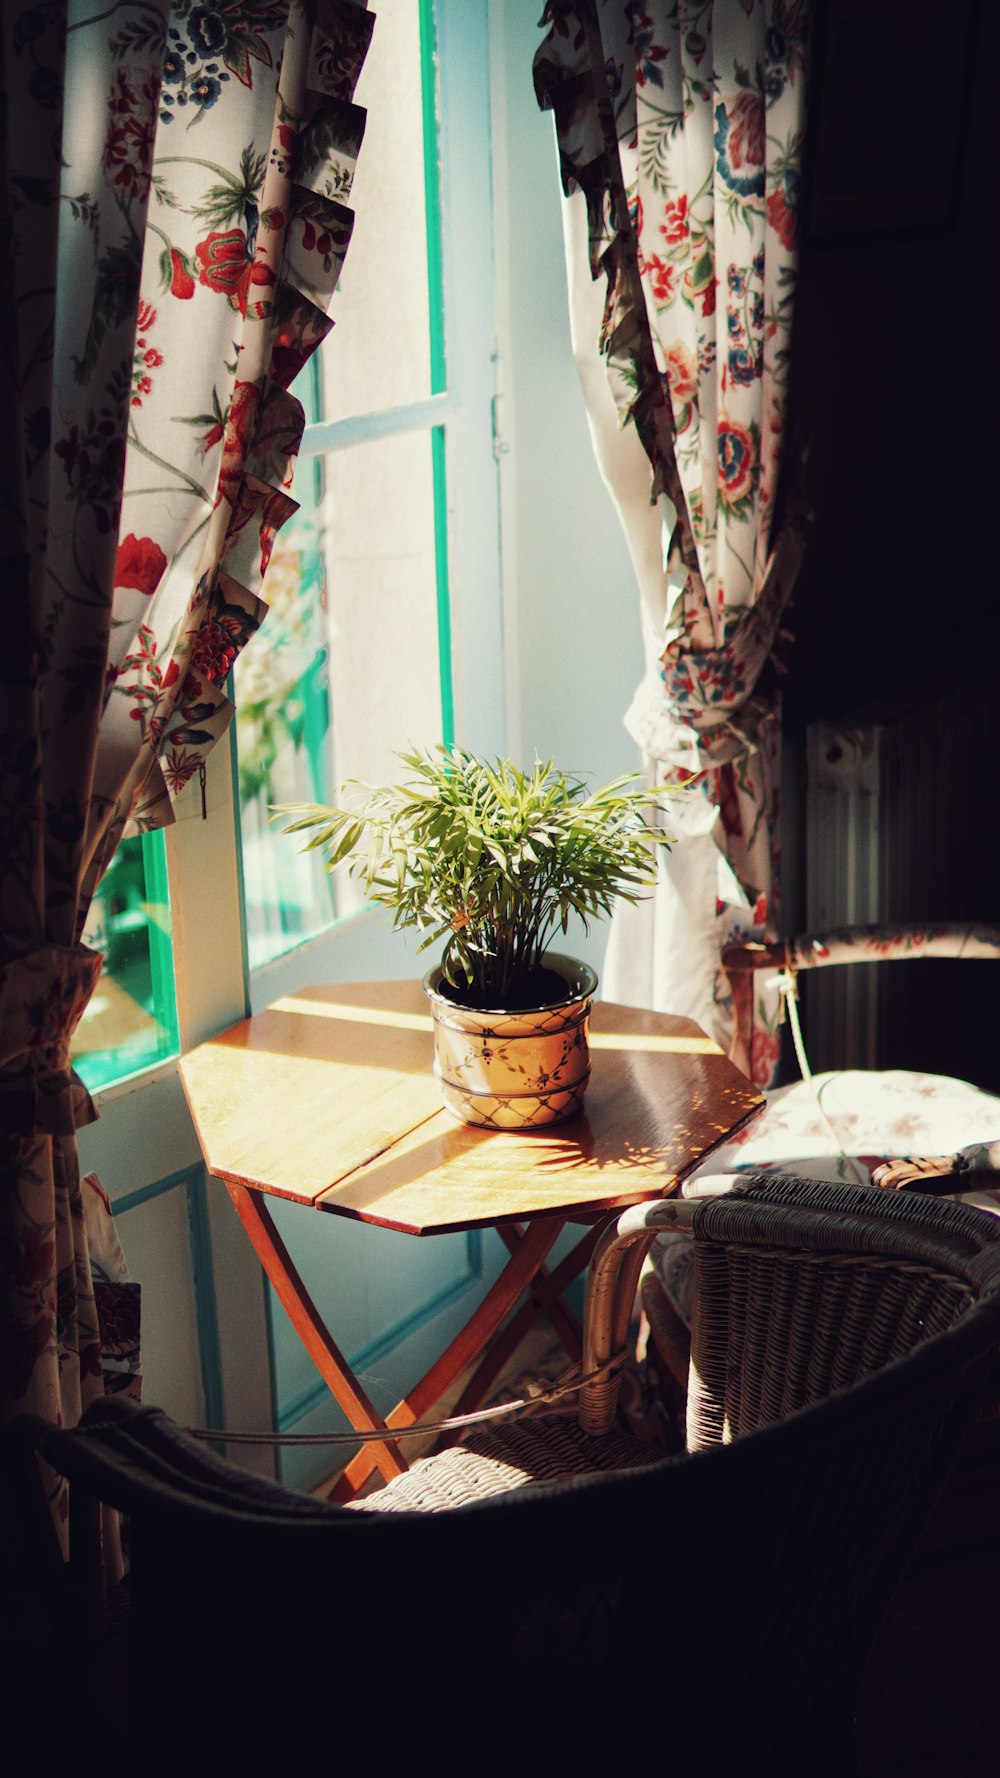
[{"x": 43, "y": 992}]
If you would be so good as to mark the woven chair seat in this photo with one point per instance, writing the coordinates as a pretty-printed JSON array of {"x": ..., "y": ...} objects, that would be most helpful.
[{"x": 543, "y": 1448}]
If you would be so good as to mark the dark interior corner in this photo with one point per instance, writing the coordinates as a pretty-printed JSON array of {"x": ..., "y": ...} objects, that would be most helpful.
[
  {"x": 894, "y": 622},
  {"x": 892, "y": 416}
]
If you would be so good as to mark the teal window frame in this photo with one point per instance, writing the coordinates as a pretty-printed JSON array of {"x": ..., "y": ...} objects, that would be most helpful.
[
  {"x": 158, "y": 1039},
  {"x": 322, "y": 436},
  {"x": 431, "y": 416}
]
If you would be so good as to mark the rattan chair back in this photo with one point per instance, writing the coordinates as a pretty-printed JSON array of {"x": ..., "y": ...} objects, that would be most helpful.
[{"x": 804, "y": 1288}]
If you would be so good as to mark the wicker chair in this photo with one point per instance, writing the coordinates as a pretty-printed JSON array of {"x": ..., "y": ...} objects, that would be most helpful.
[
  {"x": 842, "y": 1352},
  {"x": 892, "y": 1128},
  {"x": 775, "y": 1327}
]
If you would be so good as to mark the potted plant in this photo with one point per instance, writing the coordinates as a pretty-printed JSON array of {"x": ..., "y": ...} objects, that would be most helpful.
[{"x": 494, "y": 860}]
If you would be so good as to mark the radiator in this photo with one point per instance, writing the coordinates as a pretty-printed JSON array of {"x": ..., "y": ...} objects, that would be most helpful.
[
  {"x": 901, "y": 818},
  {"x": 842, "y": 883}
]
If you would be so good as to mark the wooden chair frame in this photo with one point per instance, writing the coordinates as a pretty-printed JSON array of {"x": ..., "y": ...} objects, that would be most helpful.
[{"x": 845, "y": 945}]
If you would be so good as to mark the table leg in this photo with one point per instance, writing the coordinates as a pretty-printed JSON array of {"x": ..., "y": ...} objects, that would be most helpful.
[
  {"x": 545, "y": 1290},
  {"x": 547, "y": 1287},
  {"x": 305, "y": 1318},
  {"x": 521, "y": 1268}
]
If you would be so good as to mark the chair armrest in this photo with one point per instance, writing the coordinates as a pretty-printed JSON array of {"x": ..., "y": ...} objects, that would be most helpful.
[
  {"x": 976, "y": 1168},
  {"x": 872, "y": 943},
  {"x": 906, "y": 943},
  {"x": 612, "y": 1282},
  {"x": 934, "y": 1173},
  {"x": 964, "y": 939}
]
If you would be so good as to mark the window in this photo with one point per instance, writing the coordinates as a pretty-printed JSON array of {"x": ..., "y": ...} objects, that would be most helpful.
[
  {"x": 214, "y": 1344},
  {"x": 130, "y": 1021},
  {"x": 355, "y": 662},
  {"x": 384, "y": 627}
]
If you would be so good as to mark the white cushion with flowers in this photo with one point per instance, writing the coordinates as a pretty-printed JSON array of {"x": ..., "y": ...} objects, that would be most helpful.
[{"x": 875, "y": 1116}]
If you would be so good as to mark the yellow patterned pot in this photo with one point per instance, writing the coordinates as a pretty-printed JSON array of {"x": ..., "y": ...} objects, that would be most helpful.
[{"x": 514, "y": 1070}]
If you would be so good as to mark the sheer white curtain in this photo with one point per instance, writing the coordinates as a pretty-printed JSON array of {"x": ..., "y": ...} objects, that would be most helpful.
[{"x": 663, "y": 951}]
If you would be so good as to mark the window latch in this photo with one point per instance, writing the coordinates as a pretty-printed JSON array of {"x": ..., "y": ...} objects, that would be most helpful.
[{"x": 500, "y": 446}]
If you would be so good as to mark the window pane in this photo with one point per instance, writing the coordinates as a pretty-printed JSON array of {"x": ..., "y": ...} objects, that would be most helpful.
[
  {"x": 131, "y": 1020},
  {"x": 282, "y": 734},
  {"x": 383, "y": 618},
  {"x": 379, "y": 355},
  {"x": 344, "y": 673}
]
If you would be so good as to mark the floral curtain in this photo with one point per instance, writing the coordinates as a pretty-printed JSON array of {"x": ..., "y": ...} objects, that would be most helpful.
[
  {"x": 680, "y": 129},
  {"x": 173, "y": 185}
]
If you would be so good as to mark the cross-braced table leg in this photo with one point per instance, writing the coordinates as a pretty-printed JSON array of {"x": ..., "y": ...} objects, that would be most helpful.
[
  {"x": 525, "y": 1267},
  {"x": 310, "y": 1327},
  {"x": 544, "y": 1298}
]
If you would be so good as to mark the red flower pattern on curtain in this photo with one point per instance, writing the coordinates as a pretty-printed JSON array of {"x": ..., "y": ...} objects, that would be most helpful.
[
  {"x": 165, "y": 169},
  {"x": 681, "y": 121}
]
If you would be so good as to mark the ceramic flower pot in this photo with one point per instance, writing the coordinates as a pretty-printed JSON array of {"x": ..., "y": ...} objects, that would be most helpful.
[{"x": 514, "y": 1070}]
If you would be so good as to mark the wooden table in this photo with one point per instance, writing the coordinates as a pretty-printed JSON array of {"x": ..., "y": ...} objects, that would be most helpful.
[{"x": 327, "y": 1099}]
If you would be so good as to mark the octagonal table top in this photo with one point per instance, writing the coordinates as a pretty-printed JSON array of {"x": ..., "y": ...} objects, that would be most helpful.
[{"x": 327, "y": 1098}]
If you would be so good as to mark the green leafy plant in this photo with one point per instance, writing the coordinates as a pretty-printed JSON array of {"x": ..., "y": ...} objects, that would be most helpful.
[{"x": 491, "y": 859}]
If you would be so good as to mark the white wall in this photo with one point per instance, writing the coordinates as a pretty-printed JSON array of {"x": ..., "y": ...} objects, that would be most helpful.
[{"x": 571, "y": 605}]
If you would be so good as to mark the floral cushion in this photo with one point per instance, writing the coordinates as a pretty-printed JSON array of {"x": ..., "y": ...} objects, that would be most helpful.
[{"x": 870, "y": 1117}]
